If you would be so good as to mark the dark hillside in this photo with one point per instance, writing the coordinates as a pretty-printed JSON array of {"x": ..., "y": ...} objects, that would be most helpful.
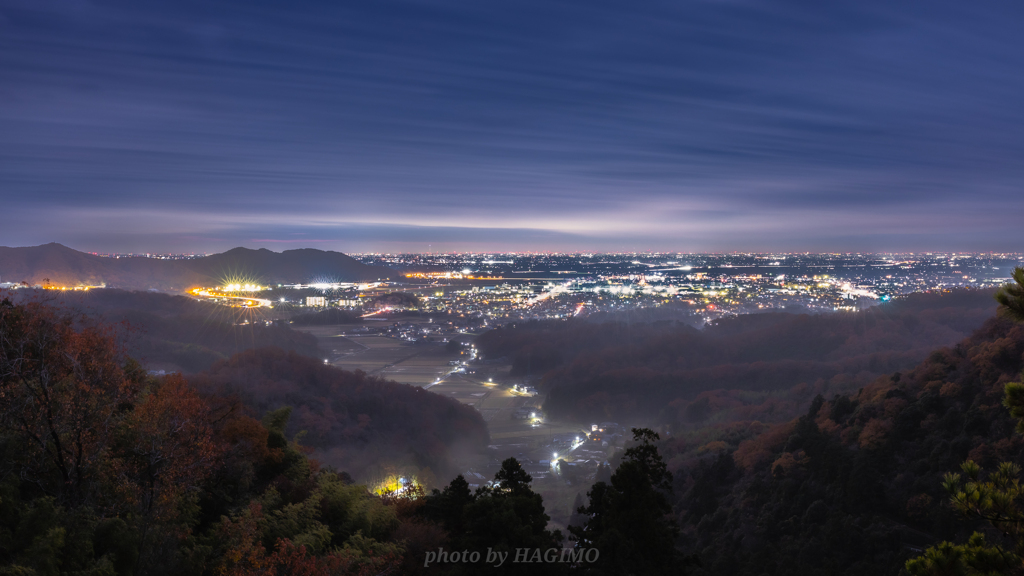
[
  {"x": 365, "y": 425},
  {"x": 855, "y": 485},
  {"x": 178, "y": 333},
  {"x": 655, "y": 370},
  {"x": 109, "y": 471},
  {"x": 288, "y": 267},
  {"x": 56, "y": 265}
]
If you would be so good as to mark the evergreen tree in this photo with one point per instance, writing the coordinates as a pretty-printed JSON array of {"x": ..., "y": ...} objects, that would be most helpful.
[
  {"x": 1011, "y": 297},
  {"x": 628, "y": 519},
  {"x": 997, "y": 499},
  {"x": 504, "y": 518}
]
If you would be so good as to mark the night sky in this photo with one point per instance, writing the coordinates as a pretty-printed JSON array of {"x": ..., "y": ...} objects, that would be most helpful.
[{"x": 530, "y": 125}]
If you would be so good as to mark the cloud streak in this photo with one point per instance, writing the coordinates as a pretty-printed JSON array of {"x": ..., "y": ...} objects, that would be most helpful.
[{"x": 675, "y": 124}]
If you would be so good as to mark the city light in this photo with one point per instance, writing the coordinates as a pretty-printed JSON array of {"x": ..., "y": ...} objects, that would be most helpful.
[
  {"x": 243, "y": 288},
  {"x": 72, "y": 288},
  {"x": 230, "y": 297},
  {"x": 695, "y": 288}
]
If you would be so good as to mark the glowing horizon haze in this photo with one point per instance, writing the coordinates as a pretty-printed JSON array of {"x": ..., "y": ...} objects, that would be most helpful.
[{"x": 441, "y": 126}]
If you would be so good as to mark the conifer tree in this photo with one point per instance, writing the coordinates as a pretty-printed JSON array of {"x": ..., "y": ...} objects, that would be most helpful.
[
  {"x": 1011, "y": 297},
  {"x": 997, "y": 498},
  {"x": 507, "y": 518},
  {"x": 627, "y": 519}
]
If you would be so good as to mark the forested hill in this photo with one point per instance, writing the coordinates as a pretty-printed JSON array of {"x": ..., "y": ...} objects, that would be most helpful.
[
  {"x": 855, "y": 485},
  {"x": 177, "y": 333},
  {"x": 656, "y": 371},
  {"x": 365, "y": 425},
  {"x": 110, "y": 471},
  {"x": 288, "y": 267}
]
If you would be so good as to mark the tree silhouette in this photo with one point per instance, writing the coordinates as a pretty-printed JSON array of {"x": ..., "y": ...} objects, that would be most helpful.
[
  {"x": 997, "y": 499},
  {"x": 628, "y": 520},
  {"x": 1011, "y": 297},
  {"x": 511, "y": 479},
  {"x": 64, "y": 383},
  {"x": 506, "y": 517}
]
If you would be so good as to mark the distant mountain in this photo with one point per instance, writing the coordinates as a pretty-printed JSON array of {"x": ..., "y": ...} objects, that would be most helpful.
[
  {"x": 288, "y": 267},
  {"x": 62, "y": 266}
]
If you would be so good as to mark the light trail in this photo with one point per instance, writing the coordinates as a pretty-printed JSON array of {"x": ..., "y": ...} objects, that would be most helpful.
[
  {"x": 380, "y": 311},
  {"x": 213, "y": 294}
]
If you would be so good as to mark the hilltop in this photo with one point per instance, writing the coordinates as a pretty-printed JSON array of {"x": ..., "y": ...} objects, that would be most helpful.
[
  {"x": 674, "y": 374},
  {"x": 854, "y": 485},
  {"x": 62, "y": 266}
]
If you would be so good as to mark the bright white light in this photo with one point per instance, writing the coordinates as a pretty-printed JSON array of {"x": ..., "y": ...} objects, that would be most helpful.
[{"x": 555, "y": 455}]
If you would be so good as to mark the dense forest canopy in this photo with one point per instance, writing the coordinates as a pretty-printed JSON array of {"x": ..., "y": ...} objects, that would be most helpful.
[
  {"x": 855, "y": 485},
  {"x": 655, "y": 371},
  {"x": 366, "y": 425},
  {"x": 106, "y": 470}
]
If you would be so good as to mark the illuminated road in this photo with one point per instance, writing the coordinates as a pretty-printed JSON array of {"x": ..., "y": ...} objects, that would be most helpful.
[{"x": 215, "y": 295}]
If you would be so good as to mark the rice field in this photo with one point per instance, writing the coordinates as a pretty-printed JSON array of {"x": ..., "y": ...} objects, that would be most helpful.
[{"x": 391, "y": 358}]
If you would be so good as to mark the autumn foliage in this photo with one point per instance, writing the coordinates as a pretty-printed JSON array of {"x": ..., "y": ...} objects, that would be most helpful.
[
  {"x": 65, "y": 387},
  {"x": 855, "y": 484},
  {"x": 106, "y": 470}
]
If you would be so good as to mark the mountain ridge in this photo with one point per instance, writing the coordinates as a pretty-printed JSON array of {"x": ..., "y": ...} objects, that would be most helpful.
[{"x": 59, "y": 265}]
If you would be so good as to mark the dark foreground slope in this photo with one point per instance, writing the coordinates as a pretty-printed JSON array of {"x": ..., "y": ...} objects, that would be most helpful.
[
  {"x": 57, "y": 265},
  {"x": 365, "y": 425},
  {"x": 107, "y": 471},
  {"x": 178, "y": 333},
  {"x": 656, "y": 371},
  {"x": 855, "y": 485}
]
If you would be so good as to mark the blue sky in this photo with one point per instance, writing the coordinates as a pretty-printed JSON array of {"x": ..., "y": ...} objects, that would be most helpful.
[{"x": 416, "y": 126}]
